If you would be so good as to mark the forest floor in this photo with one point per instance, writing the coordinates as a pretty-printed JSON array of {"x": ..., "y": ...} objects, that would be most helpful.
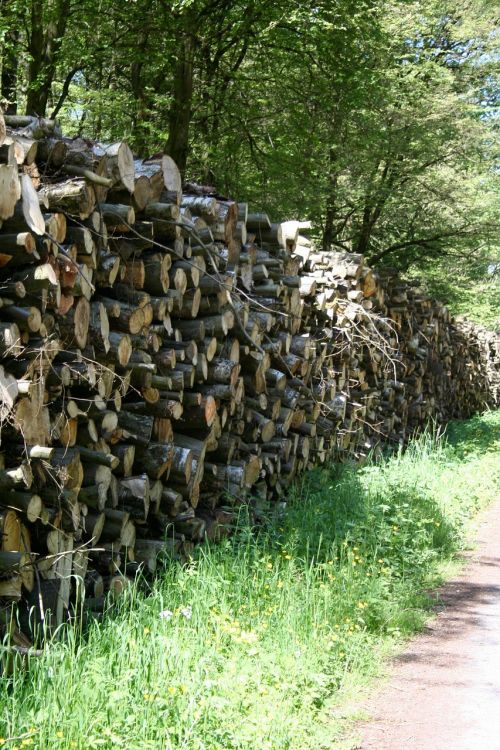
[{"x": 444, "y": 689}]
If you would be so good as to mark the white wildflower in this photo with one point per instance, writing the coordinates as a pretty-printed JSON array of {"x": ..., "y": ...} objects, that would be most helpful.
[{"x": 186, "y": 612}]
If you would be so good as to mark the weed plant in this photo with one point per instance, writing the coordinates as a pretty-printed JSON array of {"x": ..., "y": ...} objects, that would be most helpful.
[{"x": 250, "y": 644}]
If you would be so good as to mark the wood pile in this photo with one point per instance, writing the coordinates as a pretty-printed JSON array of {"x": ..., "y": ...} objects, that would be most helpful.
[{"x": 168, "y": 355}]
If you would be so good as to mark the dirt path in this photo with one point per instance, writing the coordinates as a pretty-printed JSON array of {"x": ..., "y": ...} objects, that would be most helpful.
[{"x": 443, "y": 692}]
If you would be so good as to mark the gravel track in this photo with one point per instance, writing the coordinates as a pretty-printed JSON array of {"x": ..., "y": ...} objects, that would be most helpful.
[{"x": 443, "y": 692}]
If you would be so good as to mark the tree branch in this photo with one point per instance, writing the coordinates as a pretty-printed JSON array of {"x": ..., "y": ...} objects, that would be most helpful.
[
  {"x": 422, "y": 242},
  {"x": 65, "y": 91}
]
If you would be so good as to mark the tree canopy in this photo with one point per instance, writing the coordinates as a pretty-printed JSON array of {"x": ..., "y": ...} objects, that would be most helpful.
[{"x": 377, "y": 120}]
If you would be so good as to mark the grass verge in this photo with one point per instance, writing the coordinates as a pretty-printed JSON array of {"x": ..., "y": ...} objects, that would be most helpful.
[{"x": 250, "y": 644}]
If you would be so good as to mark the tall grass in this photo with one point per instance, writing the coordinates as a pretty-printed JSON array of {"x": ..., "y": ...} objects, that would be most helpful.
[{"x": 248, "y": 645}]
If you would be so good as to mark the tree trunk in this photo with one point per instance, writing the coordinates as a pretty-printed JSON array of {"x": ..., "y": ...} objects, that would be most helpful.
[
  {"x": 331, "y": 201},
  {"x": 44, "y": 48},
  {"x": 8, "y": 84},
  {"x": 374, "y": 205},
  {"x": 180, "y": 112}
]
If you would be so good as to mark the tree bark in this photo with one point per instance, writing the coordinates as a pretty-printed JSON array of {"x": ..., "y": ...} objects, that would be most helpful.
[
  {"x": 180, "y": 112},
  {"x": 8, "y": 84},
  {"x": 44, "y": 47}
]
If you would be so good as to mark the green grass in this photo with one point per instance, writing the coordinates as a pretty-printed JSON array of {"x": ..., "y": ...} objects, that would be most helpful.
[{"x": 252, "y": 643}]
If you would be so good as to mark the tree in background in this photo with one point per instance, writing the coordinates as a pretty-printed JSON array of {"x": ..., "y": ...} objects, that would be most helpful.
[{"x": 375, "y": 119}]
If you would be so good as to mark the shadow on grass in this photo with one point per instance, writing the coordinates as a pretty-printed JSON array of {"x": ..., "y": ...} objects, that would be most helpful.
[
  {"x": 337, "y": 509},
  {"x": 480, "y": 433}
]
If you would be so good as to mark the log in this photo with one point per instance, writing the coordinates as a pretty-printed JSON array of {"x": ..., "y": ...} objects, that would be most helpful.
[
  {"x": 68, "y": 467},
  {"x": 8, "y": 154},
  {"x": 75, "y": 197},
  {"x": 98, "y": 457},
  {"x": 26, "y": 503},
  {"x": 204, "y": 206},
  {"x": 94, "y": 527},
  {"x": 138, "y": 427},
  {"x": 31, "y": 418},
  {"x": 10, "y": 531},
  {"x": 25, "y": 148},
  {"x": 52, "y": 152},
  {"x": 172, "y": 182},
  {"x": 134, "y": 496},
  {"x": 10, "y": 339},
  {"x": 156, "y": 267},
  {"x": 39, "y": 126},
  {"x": 168, "y": 212},
  {"x": 31, "y": 206},
  {"x": 119, "y": 163},
  {"x": 27, "y": 318},
  {"x": 155, "y": 459},
  {"x": 10, "y": 190},
  {"x": 117, "y": 215},
  {"x": 74, "y": 326},
  {"x": 9, "y": 391},
  {"x": 126, "y": 457}
]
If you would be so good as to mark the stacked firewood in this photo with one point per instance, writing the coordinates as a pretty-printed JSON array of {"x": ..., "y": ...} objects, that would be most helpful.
[{"x": 168, "y": 356}]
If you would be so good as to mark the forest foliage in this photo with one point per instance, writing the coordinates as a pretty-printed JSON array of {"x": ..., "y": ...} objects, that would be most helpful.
[{"x": 377, "y": 120}]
